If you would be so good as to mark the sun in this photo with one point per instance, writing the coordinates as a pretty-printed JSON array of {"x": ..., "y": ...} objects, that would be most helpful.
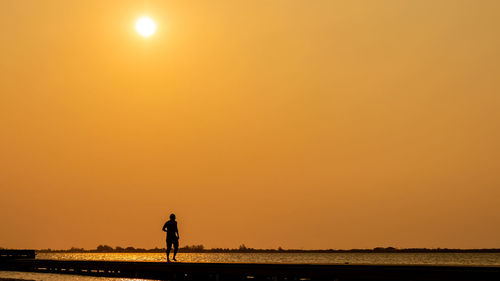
[{"x": 145, "y": 26}]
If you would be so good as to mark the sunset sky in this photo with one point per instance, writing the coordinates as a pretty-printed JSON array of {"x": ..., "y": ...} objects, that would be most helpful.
[{"x": 300, "y": 124}]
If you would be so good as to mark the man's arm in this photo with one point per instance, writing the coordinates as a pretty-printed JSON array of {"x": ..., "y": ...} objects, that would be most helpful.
[
  {"x": 164, "y": 226},
  {"x": 177, "y": 231}
]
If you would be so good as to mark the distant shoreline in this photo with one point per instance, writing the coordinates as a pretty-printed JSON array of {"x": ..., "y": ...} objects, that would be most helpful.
[{"x": 200, "y": 249}]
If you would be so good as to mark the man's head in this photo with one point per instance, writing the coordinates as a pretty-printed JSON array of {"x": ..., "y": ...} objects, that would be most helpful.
[{"x": 172, "y": 217}]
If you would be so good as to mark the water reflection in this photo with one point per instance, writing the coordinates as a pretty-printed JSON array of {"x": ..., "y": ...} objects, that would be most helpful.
[
  {"x": 29, "y": 276},
  {"x": 313, "y": 258}
]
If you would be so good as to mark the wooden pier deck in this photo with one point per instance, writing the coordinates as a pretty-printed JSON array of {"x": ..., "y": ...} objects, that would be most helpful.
[
  {"x": 16, "y": 254},
  {"x": 248, "y": 271}
]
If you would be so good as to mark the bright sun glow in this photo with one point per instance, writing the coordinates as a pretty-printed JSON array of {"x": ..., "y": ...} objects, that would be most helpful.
[{"x": 145, "y": 26}]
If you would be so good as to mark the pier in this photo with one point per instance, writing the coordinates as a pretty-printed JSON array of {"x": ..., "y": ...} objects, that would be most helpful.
[
  {"x": 16, "y": 254},
  {"x": 250, "y": 271}
]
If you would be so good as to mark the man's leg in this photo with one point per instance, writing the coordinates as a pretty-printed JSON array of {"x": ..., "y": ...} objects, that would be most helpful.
[
  {"x": 169, "y": 247},
  {"x": 176, "y": 247}
]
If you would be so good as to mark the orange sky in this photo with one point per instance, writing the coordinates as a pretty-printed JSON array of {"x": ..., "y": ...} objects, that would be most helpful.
[{"x": 301, "y": 124}]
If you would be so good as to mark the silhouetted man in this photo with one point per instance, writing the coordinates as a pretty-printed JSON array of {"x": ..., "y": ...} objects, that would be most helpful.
[{"x": 170, "y": 227}]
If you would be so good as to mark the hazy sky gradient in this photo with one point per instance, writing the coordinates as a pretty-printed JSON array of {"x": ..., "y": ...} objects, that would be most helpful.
[{"x": 301, "y": 124}]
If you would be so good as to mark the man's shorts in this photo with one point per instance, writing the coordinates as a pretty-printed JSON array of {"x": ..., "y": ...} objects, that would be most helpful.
[{"x": 172, "y": 241}]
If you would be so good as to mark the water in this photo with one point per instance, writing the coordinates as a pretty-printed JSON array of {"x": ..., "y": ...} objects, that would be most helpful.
[
  {"x": 489, "y": 259},
  {"x": 311, "y": 258}
]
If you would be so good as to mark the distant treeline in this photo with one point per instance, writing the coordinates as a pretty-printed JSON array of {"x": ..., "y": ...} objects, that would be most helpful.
[{"x": 244, "y": 249}]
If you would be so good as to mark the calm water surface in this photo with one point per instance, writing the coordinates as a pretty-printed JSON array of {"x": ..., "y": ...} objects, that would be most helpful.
[
  {"x": 335, "y": 258},
  {"x": 491, "y": 259}
]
